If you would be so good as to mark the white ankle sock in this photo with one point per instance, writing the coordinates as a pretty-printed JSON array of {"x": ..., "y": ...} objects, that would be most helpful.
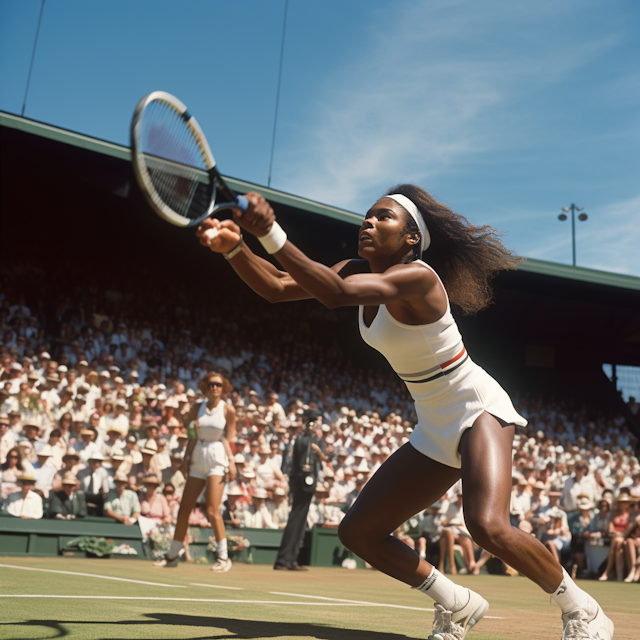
[
  {"x": 569, "y": 597},
  {"x": 221, "y": 549},
  {"x": 175, "y": 548},
  {"x": 443, "y": 591}
]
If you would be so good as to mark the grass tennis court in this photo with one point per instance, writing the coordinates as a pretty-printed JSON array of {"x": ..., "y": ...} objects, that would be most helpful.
[{"x": 120, "y": 598}]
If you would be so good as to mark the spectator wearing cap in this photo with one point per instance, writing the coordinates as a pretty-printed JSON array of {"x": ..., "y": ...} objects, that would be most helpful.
[
  {"x": 148, "y": 464},
  {"x": 557, "y": 536},
  {"x": 173, "y": 473},
  {"x": 122, "y": 504},
  {"x": 87, "y": 445},
  {"x": 70, "y": 501},
  {"x": 120, "y": 420},
  {"x": 520, "y": 500},
  {"x": 45, "y": 470},
  {"x": 617, "y": 527},
  {"x": 579, "y": 527},
  {"x": 257, "y": 515},
  {"x": 581, "y": 482},
  {"x": 118, "y": 464},
  {"x": 268, "y": 475},
  {"x": 321, "y": 512},
  {"x": 28, "y": 454},
  {"x": 94, "y": 480},
  {"x": 279, "y": 507},
  {"x": 27, "y": 503},
  {"x": 233, "y": 512},
  {"x": 31, "y": 432}
]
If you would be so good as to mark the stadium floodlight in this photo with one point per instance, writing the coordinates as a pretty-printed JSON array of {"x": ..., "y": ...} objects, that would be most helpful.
[{"x": 582, "y": 217}]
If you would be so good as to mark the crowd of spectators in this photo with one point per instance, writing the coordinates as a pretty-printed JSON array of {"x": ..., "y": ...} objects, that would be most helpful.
[{"x": 95, "y": 386}]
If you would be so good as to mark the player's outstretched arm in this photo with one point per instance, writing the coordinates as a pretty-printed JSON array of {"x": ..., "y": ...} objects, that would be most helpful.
[{"x": 343, "y": 285}]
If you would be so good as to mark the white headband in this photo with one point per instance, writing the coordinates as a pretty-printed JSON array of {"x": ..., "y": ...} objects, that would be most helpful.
[{"x": 417, "y": 216}]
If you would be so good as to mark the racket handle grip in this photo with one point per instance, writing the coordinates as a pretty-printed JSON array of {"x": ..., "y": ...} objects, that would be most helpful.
[
  {"x": 210, "y": 234},
  {"x": 243, "y": 203}
]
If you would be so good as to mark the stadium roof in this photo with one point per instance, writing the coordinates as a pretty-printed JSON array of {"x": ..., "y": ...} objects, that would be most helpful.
[{"x": 242, "y": 186}]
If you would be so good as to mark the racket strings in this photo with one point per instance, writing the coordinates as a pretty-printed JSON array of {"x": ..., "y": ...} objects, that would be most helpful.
[{"x": 175, "y": 161}]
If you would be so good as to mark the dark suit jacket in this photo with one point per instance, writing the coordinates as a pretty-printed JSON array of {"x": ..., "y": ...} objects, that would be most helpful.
[
  {"x": 59, "y": 503},
  {"x": 297, "y": 472}
]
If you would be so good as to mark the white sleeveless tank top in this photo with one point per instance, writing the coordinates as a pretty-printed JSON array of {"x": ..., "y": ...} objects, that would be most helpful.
[
  {"x": 211, "y": 423},
  {"x": 429, "y": 358}
]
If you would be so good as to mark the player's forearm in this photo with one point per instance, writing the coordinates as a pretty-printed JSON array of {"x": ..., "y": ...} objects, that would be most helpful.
[
  {"x": 318, "y": 280},
  {"x": 264, "y": 278}
]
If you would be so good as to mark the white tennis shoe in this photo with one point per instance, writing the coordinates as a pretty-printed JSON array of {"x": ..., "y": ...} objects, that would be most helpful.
[
  {"x": 222, "y": 566},
  {"x": 454, "y": 625},
  {"x": 578, "y": 627}
]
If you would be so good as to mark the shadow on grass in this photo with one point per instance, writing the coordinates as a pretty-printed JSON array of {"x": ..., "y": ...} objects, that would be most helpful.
[{"x": 247, "y": 629}]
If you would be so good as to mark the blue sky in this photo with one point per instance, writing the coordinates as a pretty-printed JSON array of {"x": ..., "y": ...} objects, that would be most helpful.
[{"x": 505, "y": 110}]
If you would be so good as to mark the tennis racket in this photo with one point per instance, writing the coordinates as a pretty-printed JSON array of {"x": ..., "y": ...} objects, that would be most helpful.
[{"x": 174, "y": 165}]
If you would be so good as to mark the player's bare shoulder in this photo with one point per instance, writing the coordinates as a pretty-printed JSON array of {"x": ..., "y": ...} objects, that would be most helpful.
[{"x": 351, "y": 267}]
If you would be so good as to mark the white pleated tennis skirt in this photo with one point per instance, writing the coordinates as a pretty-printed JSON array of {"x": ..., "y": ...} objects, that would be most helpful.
[{"x": 443, "y": 417}]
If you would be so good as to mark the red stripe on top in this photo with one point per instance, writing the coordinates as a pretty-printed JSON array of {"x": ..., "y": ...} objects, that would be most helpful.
[{"x": 448, "y": 362}]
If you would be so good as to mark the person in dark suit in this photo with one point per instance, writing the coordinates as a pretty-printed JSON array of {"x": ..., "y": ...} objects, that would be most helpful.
[
  {"x": 306, "y": 459},
  {"x": 70, "y": 502}
]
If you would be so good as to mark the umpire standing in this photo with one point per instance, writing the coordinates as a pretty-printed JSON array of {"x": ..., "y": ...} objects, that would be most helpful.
[{"x": 303, "y": 477}]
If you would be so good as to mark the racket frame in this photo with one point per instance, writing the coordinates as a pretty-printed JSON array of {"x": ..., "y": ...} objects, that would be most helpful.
[{"x": 142, "y": 174}]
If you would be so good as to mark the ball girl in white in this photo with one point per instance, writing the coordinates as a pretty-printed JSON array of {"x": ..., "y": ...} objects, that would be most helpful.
[{"x": 211, "y": 426}]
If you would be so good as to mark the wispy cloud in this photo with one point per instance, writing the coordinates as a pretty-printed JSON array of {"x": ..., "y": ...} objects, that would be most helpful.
[{"x": 427, "y": 90}]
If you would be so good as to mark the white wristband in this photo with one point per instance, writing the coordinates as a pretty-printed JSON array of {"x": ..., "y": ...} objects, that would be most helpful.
[{"x": 275, "y": 239}]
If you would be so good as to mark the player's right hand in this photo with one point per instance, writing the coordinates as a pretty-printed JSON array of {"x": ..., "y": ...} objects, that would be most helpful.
[{"x": 227, "y": 237}]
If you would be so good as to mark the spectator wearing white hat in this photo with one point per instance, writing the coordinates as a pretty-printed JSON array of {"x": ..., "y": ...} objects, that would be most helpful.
[
  {"x": 45, "y": 470},
  {"x": 173, "y": 473},
  {"x": 148, "y": 463},
  {"x": 122, "y": 504},
  {"x": 69, "y": 502},
  {"x": 87, "y": 445},
  {"x": 268, "y": 475},
  {"x": 257, "y": 515},
  {"x": 27, "y": 503},
  {"x": 94, "y": 480},
  {"x": 279, "y": 507}
]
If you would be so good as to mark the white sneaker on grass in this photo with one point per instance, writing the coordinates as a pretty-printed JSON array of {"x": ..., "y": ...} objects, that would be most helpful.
[
  {"x": 578, "y": 627},
  {"x": 454, "y": 625},
  {"x": 221, "y": 566}
]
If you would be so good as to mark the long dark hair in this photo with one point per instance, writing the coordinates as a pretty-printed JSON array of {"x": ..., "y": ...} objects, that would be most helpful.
[{"x": 465, "y": 257}]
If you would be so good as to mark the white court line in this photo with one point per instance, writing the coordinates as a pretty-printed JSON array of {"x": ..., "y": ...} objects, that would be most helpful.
[
  {"x": 297, "y": 603},
  {"x": 93, "y": 575},
  {"x": 215, "y": 586},
  {"x": 293, "y": 602},
  {"x": 361, "y": 602},
  {"x": 336, "y": 602}
]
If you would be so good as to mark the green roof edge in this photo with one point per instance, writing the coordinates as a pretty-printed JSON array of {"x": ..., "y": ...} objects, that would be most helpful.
[{"x": 82, "y": 141}]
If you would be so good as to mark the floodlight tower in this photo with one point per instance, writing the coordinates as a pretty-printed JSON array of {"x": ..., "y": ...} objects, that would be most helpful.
[{"x": 581, "y": 216}]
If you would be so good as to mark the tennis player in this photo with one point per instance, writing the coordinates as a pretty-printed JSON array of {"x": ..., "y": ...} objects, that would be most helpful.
[
  {"x": 212, "y": 424},
  {"x": 465, "y": 419}
]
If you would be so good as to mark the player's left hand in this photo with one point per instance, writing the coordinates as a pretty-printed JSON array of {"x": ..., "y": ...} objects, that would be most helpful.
[
  {"x": 227, "y": 237},
  {"x": 258, "y": 217}
]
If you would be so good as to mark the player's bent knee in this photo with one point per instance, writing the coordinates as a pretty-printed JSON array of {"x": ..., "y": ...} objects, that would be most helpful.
[
  {"x": 351, "y": 533},
  {"x": 491, "y": 534}
]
